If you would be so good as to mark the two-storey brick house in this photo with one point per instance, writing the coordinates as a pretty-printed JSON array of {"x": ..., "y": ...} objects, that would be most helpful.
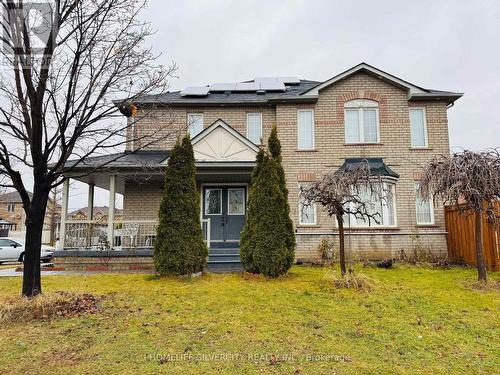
[{"x": 361, "y": 113}]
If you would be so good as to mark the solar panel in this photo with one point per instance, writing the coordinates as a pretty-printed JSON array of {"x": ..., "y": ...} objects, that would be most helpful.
[
  {"x": 273, "y": 86},
  {"x": 285, "y": 80},
  {"x": 195, "y": 91},
  {"x": 247, "y": 86},
  {"x": 223, "y": 87},
  {"x": 289, "y": 80}
]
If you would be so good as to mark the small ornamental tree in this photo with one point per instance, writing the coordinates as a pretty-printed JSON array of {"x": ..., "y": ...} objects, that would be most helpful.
[
  {"x": 179, "y": 247},
  {"x": 471, "y": 181},
  {"x": 345, "y": 192}
]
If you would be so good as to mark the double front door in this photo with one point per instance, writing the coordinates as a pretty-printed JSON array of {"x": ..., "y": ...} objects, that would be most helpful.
[{"x": 225, "y": 206}]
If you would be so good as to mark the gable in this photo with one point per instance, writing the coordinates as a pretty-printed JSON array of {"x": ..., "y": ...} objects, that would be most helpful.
[{"x": 219, "y": 142}]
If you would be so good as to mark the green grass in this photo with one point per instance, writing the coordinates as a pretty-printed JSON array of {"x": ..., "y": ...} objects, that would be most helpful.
[{"x": 413, "y": 321}]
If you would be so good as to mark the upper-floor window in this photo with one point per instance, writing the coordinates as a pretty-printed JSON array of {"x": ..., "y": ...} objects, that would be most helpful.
[
  {"x": 254, "y": 127},
  {"x": 307, "y": 211},
  {"x": 379, "y": 205},
  {"x": 11, "y": 207},
  {"x": 424, "y": 208},
  {"x": 361, "y": 121},
  {"x": 195, "y": 123},
  {"x": 305, "y": 129},
  {"x": 418, "y": 127}
]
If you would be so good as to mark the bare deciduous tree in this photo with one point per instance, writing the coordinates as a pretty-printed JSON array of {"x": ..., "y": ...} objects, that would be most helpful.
[
  {"x": 347, "y": 192},
  {"x": 58, "y": 101},
  {"x": 471, "y": 181}
]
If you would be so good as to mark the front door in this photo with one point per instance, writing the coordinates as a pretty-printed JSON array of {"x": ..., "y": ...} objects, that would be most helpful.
[{"x": 225, "y": 206}]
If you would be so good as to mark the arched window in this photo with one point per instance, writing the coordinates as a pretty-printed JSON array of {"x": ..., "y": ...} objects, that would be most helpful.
[{"x": 361, "y": 121}]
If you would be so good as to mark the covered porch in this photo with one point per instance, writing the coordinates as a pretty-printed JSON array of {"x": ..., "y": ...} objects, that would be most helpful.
[{"x": 224, "y": 163}]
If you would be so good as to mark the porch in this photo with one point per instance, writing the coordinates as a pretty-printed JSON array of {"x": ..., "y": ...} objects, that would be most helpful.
[{"x": 224, "y": 162}]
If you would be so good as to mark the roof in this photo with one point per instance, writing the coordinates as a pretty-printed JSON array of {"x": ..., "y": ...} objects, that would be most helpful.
[
  {"x": 13, "y": 197},
  {"x": 6, "y": 222},
  {"x": 414, "y": 92},
  {"x": 292, "y": 93},
  {"x": 376, "y": 165},
  {"x": 127, "y": 159},
  {"x": 305, "y": 91}
]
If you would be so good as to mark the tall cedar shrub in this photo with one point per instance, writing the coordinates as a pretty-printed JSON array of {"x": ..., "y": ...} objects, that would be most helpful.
[
  {"x": 274, "y": 145},
  {"x": 179, "y": 247},
  {"x": 268, "y": 241},
  {"x": 247, "y": 244}
]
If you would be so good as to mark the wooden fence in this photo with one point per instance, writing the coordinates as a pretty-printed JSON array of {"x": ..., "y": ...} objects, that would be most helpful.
[{"x": 461, "y": 241}]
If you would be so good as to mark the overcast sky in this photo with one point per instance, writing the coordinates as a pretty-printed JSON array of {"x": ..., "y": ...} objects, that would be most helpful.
[{"x": 444, "y": 45}]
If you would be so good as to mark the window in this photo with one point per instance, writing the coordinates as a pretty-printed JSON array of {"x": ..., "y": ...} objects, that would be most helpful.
[
  {"x": 8, "y": 243},
  {"x": 306, "y": 130},
  {"x": 195, "y": 123},
  {"x": 236, "y": 201},
  {"x": 307, "y": 212},
  {"x": 361, "y": 121},
  {"x": 11, "y": 207},
  {"x": 424, "y": 208},
  {"x": 213, "y": 201},
  {"x": 418, "y": 127},
  {"x": 380, "y": 203},
  {"x": 254, "y": 127}
]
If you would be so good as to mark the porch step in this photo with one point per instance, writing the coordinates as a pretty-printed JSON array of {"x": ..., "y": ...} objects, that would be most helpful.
[{"x": 224, "y": 260}]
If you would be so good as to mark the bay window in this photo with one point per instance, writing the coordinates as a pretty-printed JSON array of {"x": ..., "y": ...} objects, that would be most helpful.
[{"x": 380, "y": 203}]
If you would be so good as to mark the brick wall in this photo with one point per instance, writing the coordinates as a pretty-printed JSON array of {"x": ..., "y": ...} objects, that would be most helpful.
[{"x": 330, "y": 152}]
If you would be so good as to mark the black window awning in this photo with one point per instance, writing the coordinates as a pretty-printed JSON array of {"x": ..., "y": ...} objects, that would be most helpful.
[{"x": 377, "y": 166}]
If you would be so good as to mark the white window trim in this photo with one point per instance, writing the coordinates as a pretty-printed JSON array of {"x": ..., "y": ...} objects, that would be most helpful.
[
  {"x": 189, "y": 123},
  {"x": 244, "y": 201},
  {"x": 11, "y": 207},
  {"x": 360, "y": 104},
  {"x": 261, "y": 125},
  {"x": 385, "y": 210},
  {"x": 205, "y": 202},
  {"x": 315, "y": 213},
  {"x": 313, "y": 130},
  {"x": 424, "y": 114},
  {"x": 433, "y": 221}
]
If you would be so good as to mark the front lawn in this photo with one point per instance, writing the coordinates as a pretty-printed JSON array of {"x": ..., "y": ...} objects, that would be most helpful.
[{"x": 414, "y": 321}]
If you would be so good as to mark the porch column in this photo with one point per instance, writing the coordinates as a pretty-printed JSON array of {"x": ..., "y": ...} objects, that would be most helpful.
[
  {"x": 111, "y": 213},
  {"x": 90, "y": 202},
  {"x": 64, "y": 214},
  {"x": 90, "y": 216}
]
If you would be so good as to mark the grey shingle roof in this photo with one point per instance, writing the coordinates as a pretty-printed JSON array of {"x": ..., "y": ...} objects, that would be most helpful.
[
  {"x": 174, "y": 98},
  {"x": 122, "y": 160},
  {"x": 13, "y": 197}
]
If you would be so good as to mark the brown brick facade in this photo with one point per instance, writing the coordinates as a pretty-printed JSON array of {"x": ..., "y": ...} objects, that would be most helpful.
[{"x": 142, "y": 202}]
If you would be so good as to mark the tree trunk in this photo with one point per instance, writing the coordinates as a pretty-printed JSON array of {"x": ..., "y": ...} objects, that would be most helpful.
[
  {"x": 340, "y": 221},
  {"x": 481, "y": 267},
  {"x": 35, "y": 216}
]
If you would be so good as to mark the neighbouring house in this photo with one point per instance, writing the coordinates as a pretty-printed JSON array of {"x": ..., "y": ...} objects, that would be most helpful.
[
  {"x": 361, "y": 113},
  {"x": 98, "y": 214},
  {"x": 11, "y": 209}
]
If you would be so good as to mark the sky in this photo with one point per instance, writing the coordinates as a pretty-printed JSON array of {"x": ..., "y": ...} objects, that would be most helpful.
[{"x": 444, "y": 45}]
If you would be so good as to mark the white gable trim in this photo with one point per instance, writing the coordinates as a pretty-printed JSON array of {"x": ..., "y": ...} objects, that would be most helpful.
[
  {"x": 234, "y": 133},
  {"x": 412, "y": 89}
]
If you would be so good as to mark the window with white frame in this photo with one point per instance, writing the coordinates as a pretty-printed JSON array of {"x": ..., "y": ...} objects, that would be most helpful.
[
  {"x": 307, "y": 211},
  {"x": 254, "y": 127},
  {"x": 424, "y": 208},
  {"x": 11, "y": 207},
  {"x": 361, "y": 121},
  {"x": 305, "y": 129},
  {"x": 380, "y": 202},
  {"x": 195, "y": 123},
  {"x": 418, "y": 127}
]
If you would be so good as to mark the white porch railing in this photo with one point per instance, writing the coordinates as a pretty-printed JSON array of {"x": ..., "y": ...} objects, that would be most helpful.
[{"x": 127, "y": 234}]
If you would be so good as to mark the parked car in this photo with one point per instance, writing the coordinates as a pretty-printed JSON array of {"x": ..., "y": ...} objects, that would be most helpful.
[{"x": 12, "y": 250}]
